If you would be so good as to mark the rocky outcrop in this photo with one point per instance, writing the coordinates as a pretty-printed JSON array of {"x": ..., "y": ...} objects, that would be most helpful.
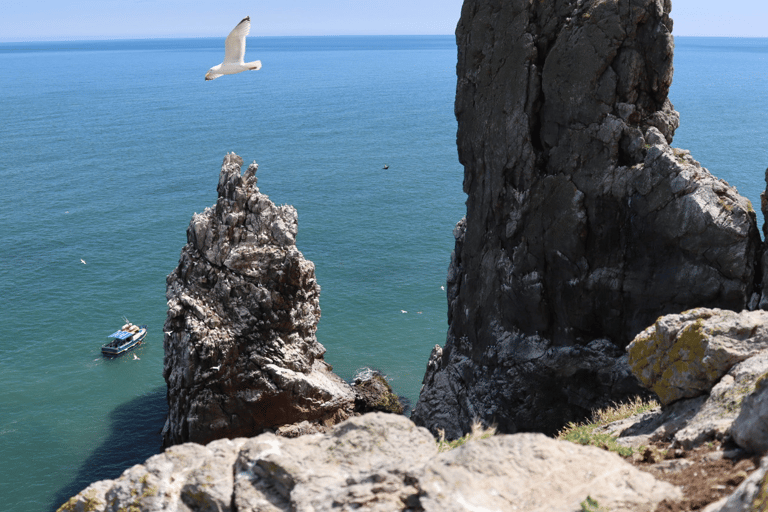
[
  {"x": 241, "y": 354},
  {"x": 763, "y": 304},
  {"x": 690, "y": 422},
  {"x": 378, "y": 462},
  {"x": 373, "y": 393},
  {"x": 685, "y": 355},
  {"x": 750, "y": 429},
  {"x": 583, "y": 225},
  {"x": 708, "y": 368}
]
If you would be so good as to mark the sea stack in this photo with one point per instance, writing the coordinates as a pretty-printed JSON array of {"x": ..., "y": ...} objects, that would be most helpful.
[
  {"x": 583, "y": 225},
  {"x": 241, "y": 354}
]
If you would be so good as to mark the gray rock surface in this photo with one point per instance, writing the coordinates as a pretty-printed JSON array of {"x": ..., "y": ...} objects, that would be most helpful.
[
  {"x": 535, "y": 473},
  {"x": 684, "y": 355},
  {"x": 750, "y": 429},
  {"x": 241, "y": 354},
  {"x": 582, "y": 222},
  {"x": 377, "y": 462},
  {"x": 689, "y": 423}
]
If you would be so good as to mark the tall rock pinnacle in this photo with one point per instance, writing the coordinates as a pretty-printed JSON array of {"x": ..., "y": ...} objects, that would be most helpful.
[
  {"x": 241, "y": 354},
  {"x": 583, "y": 225}
]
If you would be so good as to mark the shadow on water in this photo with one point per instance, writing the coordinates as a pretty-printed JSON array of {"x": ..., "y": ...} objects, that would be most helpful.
[{"x": 134, "y": 437}]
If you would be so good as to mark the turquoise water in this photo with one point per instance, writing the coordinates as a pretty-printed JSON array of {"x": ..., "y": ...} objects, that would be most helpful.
[
  {"x": 720, "y": 89},
  {"x": 108, "y": 148}
]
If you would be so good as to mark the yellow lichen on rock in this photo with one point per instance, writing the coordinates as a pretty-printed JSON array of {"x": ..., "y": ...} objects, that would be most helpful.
[
  {"x": 88, "y": 501},
  {"x": 688, "y": 349},
  {"x": 684, "y": 355}
]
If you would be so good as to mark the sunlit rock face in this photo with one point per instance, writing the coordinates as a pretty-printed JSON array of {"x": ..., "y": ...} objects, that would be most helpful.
[
  {"x": 241, "y": 354},
  {"x": 583, "y": 225}
]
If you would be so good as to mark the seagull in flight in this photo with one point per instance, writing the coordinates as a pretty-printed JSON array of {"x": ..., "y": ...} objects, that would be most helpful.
[
  {"x": 82, "y": 261},
  {"x": 234, "y": 53}
]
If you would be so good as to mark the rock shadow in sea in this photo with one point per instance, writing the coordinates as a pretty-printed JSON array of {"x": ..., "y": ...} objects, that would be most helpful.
[{"x": 134, "y": 437}]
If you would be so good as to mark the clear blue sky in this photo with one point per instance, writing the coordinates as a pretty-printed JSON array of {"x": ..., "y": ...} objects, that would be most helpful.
[{"x": 28, "y": 20}]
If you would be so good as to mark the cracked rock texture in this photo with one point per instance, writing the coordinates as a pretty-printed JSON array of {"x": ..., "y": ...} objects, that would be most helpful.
[
  {"x": 377, "y": 462},
  {"x": 685, "y": 355},
  {"x": 750, "y": 429},
  {"x": 241, "y": 354},
  {"x": 726, "y": 411},
  {"x": 583, "y": 225}
]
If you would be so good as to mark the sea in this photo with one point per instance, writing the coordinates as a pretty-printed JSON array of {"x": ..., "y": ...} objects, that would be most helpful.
[{"x": 107, "y": 149}]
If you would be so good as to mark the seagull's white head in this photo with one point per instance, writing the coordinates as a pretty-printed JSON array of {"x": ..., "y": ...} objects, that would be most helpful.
[{"x": 214, "y": 72}]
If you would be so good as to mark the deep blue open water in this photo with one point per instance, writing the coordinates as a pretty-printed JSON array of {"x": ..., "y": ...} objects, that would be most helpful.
[{"x": 108, "y": 148}]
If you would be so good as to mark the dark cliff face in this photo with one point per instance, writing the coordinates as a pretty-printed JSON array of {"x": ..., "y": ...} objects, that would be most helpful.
[{"x": 583, "y": 225}]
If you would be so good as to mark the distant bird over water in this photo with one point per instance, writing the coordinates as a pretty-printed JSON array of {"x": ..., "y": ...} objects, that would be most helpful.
[{"x": 234, "y": 53}]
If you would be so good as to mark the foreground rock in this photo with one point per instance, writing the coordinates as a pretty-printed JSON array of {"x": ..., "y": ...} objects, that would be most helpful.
[
  {"x": 689, "y": 423},
  {"x": 750, "y": 429},
  {"x": 582, "y": 222},
  {"x": 241, "y": 354},
  {"x": 377, "y": 462},
  {"x": 684, "y": 355},
  {"x": 708, "y": 368}
]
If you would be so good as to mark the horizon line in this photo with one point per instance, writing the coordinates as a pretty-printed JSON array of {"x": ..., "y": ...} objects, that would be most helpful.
[
  {"x": 55, "y": 39},
  {"x": 149, "y": 38}
]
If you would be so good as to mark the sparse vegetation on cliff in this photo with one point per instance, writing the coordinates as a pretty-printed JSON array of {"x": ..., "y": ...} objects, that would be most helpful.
[
  {"x": 479, "y": 431},
  {"x": 584, "y": 433}
]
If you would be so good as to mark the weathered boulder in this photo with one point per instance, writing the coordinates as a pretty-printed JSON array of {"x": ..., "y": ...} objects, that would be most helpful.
[
  {"x": 535, "y": 473},
  {"x": 241, "y": 354},
  {"x": 715, "y": 419},
  {"x": 691, "y": 422},
  {"x": 582, "y": 222},
  {"x": 684, "y": 355},
  {"x": 750, "y": 429},
  {"x": 377, "y": 462},
  {"x": 373, "y": 393},
  {"x": 185, "y": 477}
]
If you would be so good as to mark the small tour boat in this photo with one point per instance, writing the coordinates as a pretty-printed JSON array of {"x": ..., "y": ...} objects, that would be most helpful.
[{"x": 128, "y": 337}]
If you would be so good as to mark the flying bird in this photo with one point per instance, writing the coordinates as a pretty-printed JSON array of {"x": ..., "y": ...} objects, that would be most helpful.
[
  {"x": 82, "y": 261},
  {"x": 234, "y": 53}
]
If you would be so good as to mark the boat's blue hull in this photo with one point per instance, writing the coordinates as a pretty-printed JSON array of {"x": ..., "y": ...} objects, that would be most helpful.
[{"x": 114, "y": 350}]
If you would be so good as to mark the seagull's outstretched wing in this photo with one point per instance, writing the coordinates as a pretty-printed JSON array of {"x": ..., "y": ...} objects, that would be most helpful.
[{"x": 234, "y": 47}]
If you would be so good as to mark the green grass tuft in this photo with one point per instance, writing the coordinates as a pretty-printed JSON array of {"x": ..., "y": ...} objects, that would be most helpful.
[
  {"x": 478, "y": 432},
  {"x": 591, "y": 505},
  {"x": 584, "y": 433}
]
